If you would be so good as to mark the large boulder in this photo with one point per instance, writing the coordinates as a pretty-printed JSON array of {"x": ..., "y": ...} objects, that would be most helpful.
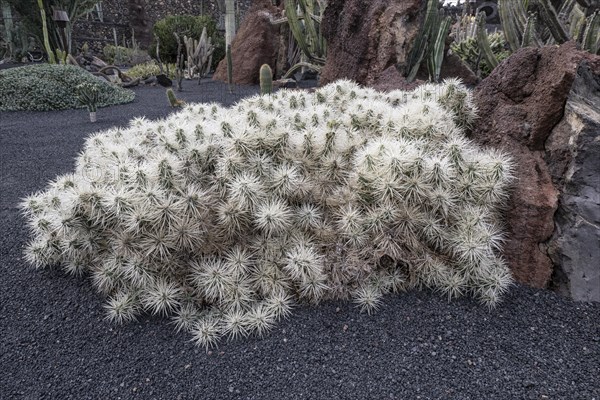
[
  {"x": 573, "y": 156},
  {"x": 365, "y": 39},
  {"x": 521, "y": 104},
  {"x": 257, "y": 42}
]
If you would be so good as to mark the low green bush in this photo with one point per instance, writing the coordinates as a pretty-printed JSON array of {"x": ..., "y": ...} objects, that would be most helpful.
[
  {"x": 119, "y": 55},
  {"x": 223, "y": 218},
  {"x": 46, "y": 87},
  {"x": 149, "y": 69}
]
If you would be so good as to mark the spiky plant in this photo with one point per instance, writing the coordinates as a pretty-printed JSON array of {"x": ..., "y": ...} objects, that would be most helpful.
[{"x": 224, "y": 218}]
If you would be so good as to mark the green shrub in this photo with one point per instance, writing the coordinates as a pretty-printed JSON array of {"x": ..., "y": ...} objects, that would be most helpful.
[
  {"x": 149, "y": 69},
  {"x": 188, "y": 25},
  {"x": 225, "y": 217},
  {"x": 119, "y": 55},
  {"x": 45, "y": 87}
]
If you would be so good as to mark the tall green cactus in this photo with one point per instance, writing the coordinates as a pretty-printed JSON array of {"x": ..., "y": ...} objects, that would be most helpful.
[
  {"x": 229, "y": 21},
  {"x": 484, "y": 43},
  {"x": 550, "y": 18},
  {"x": 591, "y": 35},
  {"x": 229, "y": 68},
  {"x": 421, "y": 44},
  {"x": 51, "y": 58},
  {"x": 436, "y": 57},
  {"x": 305, "y": 27},
  {"x": 266, "y": 79}
]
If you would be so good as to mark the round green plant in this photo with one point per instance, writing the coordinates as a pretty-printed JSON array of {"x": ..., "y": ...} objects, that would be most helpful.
[{"x": 46, "y": 87}]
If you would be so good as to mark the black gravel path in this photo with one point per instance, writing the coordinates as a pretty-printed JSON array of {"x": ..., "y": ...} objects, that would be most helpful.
[{"x": 54, "y": 343}]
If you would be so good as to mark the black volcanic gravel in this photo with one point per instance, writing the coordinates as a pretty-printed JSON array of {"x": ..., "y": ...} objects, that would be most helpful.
[{"x": 55, "y": 344}]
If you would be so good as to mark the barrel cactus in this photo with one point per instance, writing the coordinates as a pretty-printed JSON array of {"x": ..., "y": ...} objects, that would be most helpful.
[{"x": 224, "y": 218}]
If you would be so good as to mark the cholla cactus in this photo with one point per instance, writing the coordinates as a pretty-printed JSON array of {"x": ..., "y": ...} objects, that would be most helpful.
[{"x": 224, "y": 218}]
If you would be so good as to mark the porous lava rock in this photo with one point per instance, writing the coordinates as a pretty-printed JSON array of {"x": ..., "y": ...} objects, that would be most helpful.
[
  {"x": 257, "y": 42},
  {"x": 366, "y": 38}
]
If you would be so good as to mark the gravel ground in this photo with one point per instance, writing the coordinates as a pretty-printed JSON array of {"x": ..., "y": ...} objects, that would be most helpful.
[{"x": 55, "y": 343}]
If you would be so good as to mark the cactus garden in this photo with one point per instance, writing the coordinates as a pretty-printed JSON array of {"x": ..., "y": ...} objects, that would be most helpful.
[{"x": 299, "y": 199}]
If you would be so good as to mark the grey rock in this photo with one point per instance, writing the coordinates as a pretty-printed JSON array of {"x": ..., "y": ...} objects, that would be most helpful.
[{"x": 573, "y": 157}]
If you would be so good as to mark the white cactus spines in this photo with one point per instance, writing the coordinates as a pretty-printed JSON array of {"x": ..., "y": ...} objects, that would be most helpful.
[{"x": 224, "y": 217}]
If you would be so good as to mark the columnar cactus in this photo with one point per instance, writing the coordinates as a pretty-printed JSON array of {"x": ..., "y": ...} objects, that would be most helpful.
[
  {"x": 173, "y": 100},
  {"x": 224, "y": 218},
  {"x": 266, "y": 79}
]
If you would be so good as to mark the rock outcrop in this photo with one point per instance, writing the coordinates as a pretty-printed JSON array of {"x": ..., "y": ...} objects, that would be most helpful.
[
  {"x": 366, "y": 43},
  {"x": 365, "y": 39},
  {"x": 256, "y": 43},
  {"x": 522, "y": 111},
  {"x": 573, "y": 156}
]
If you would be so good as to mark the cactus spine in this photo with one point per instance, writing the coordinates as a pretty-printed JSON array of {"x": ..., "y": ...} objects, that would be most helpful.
[{"x": 266, "y": 79}]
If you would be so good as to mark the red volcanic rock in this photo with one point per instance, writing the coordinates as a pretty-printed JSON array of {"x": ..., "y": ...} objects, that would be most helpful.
[
  {"x": 366, "y": 38},
  {"x": 520, "y": 104},
  {"x": 255, "y": 43}
]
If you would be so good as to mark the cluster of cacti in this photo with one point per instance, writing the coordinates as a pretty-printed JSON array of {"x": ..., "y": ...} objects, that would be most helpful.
[
  {"x": 430, "y": 43},
  {"x": 538, "y": 22},
  {"x": 266, "y": 79},
  {"x": 469, "y": 51},
  {"x": 199, "y": 55},
  {"x": 223, "y": 218},
  {"x": 304, "y": 19}
]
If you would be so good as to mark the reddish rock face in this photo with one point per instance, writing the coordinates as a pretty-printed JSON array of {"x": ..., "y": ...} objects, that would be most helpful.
[
  {"x": 365, "y": 39},
  {"x": 255, "y": 43},
  {"x": 366, "y": 42},
  {"x": 520, "y": 104}
]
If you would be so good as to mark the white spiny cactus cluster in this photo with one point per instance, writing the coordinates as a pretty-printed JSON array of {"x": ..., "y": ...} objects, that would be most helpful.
[{"x": 223, "y": 218}]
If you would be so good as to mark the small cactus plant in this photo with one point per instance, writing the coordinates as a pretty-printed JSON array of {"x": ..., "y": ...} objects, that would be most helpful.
[
  {"x": 266, "y": 79},
  {"x": 173, "y": 100},
  {"x": 224, "y": 218},
  {"x": 229, "y": 58},
  {"x": 88, "y": 95}
]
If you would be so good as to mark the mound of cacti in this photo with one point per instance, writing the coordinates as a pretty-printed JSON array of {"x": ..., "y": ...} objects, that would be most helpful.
[
  {"x": 46, "y": 87},
  {"x": 224, "y": 218}
]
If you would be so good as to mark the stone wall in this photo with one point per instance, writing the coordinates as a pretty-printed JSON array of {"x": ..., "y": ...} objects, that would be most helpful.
[{"x": 122, "y": 16}]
